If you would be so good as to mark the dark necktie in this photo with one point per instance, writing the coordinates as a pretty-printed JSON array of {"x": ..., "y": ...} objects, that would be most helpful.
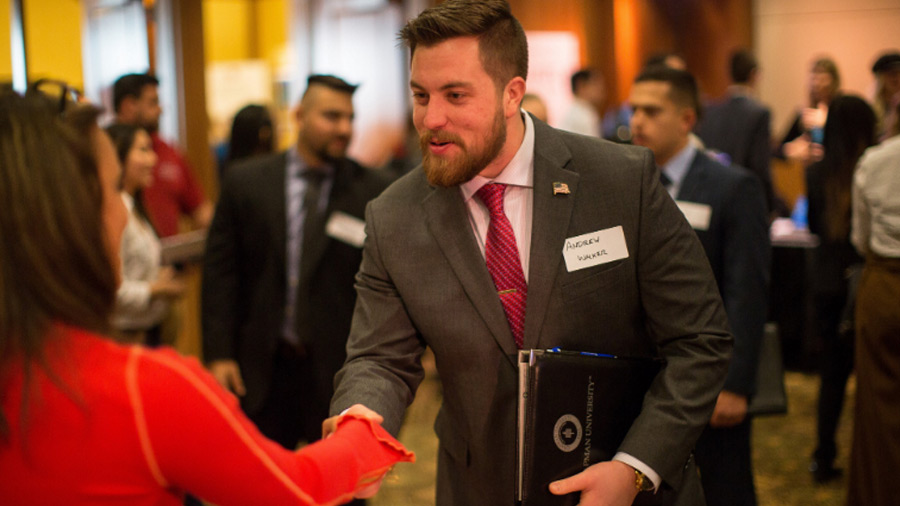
[
  {"x": 311, "y": 224},
  {"x": 311, "y": 200},
  {"x": 502, "y": 258},
  {"x": 664, "y": 179}
]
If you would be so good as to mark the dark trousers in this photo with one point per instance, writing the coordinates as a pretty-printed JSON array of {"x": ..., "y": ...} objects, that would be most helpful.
[
  {"x": 836, "y": 364},
  {"x": 296, "y": 406},
  {"x": 726, "y": 468},
  {"x": 293, "y": 410}
]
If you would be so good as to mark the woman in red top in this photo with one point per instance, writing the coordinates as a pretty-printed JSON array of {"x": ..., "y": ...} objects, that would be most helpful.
[{"x": 84, "y": 420}]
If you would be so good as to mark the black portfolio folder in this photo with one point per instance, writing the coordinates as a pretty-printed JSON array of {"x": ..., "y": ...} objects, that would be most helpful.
[{"x": 575, "y": 409}]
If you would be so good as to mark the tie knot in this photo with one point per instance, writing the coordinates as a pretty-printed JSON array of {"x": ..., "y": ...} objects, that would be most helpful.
[
  {"x": 664, "y": 179},
  {"x": 492, "y": 196},
  {"x": 313, "y": 176}
]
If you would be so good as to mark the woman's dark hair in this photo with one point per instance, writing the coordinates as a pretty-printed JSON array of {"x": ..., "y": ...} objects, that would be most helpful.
[
  {"x": 849, "y": 130},
  {"x": 54, "y": 268},
  {"x": 123, "y": 136},
  {"x": 252, "y": 133}
]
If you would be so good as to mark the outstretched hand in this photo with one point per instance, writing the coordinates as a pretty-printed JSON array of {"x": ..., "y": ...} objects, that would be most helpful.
[
  {"x": 330, "y": 425},
  {"x": 602, "y": 484}
]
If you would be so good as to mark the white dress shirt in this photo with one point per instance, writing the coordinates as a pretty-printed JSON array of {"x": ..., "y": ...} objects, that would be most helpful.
[
  {"x": 876, "y": 201},
  {"x": 677, "y": 167}
]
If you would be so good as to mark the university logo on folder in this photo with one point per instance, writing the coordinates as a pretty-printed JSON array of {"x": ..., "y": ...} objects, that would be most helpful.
[{"x": 574, "y": 410}]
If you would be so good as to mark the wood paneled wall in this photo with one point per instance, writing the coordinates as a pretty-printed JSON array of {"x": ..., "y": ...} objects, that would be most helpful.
[{"x": 618, "y": 35}]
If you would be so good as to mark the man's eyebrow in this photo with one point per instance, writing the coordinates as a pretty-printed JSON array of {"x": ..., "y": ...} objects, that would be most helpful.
[{"x": 448, "y": 86}]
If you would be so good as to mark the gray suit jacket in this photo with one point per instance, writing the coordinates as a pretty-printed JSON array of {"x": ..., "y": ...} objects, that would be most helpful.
[{"x": 423, "y": 282}]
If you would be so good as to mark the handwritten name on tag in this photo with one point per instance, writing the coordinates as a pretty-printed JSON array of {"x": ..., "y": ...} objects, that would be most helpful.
[
  {"x": 595, "y": 248},
  {"x": 346, "y": 228},
  {"x": 698, "y": 215}
]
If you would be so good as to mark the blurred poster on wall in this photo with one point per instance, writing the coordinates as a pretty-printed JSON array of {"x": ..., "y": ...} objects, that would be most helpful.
[
  {"x": 230, "y": 85},
  {"x": 553, "y": 56}
]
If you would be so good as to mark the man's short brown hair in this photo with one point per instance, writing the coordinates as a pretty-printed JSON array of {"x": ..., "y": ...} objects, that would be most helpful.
[{"x": 501, "y": 39}]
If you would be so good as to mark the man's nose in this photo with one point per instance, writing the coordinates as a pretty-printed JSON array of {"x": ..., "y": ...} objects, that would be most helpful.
[
  {"x": 434, "y": 115},
  {"x": 345, "y": 126}
]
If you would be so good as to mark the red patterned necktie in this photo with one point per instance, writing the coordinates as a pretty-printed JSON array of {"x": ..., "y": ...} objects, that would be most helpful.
[{"x": 502, "y": 257}]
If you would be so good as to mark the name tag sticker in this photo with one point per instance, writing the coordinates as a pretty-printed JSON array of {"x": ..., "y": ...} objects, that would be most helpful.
[
  {"x": 595, "y": 248},
  {"x": 346, "y": 228},
  {"x": 697, "y": 215}
]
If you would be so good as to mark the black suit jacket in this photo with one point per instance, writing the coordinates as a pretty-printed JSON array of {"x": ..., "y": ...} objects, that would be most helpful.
[
  {"x": 737, "y": 245},
  {"x": 244, "y": 277},
  {"x": 740, "y": 127}
]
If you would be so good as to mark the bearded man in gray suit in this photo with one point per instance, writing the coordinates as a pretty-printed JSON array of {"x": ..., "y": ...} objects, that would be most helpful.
[{"x": 640, "y": 286}]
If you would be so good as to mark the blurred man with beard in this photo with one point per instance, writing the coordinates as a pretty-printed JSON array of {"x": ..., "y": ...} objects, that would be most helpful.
[
  {"x": 282, "y": 251},
  {"x": 174, "y": 191},
  {"x": 517, "y": 236}
]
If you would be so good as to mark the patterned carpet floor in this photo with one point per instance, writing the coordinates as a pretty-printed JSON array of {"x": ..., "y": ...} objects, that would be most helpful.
[{"x": 782, "y": 445}]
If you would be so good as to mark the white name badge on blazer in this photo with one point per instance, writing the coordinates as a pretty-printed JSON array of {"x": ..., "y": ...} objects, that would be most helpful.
[
  {"x": 595, "y": 248},
  {"x": 697, "y": 215},
  {"x": 346, "y": 228}
]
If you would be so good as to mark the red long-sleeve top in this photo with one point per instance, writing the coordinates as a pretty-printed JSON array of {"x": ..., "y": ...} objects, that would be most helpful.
[{"x": 120, "y": 424}]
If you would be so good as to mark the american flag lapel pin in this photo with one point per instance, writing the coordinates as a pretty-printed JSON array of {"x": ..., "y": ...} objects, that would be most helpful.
[{"x": 560, "y": 188}]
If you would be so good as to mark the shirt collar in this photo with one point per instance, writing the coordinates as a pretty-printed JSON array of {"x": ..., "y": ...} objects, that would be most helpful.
[
  {"x": 518, "y": 172},
  {"x": 678, "y": 166}
]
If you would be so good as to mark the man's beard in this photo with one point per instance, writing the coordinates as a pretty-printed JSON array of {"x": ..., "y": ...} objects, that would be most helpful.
[
  {"x": 454, "y": 171},
  {"x": 328, "y": 151}
]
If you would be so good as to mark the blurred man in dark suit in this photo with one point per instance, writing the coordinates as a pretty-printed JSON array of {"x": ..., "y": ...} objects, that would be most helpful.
[
  {"x": 739, "y": 125},
  {"x": 726, "y": 207},
  {"x": 282, "y": 251}
]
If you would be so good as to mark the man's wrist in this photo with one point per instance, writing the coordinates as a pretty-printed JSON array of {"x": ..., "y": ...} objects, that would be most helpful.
[{"x": 636, "y": 464}]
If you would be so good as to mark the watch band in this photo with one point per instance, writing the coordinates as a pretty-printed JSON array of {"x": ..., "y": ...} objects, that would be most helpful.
[{"x": 641, "y": 482}]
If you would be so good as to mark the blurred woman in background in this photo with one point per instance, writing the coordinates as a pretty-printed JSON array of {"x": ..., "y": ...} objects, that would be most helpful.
[
  {"x": 84, "y": 420},
  {"x": 803, "y": 141},
  {"x": 849, "y": 130},
  {"x": 252, "y": 134},
  {"x": 143, "y": 299}
]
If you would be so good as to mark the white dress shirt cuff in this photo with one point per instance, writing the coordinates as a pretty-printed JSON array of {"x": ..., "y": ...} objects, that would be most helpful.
[{"x": 640, "y": 466}]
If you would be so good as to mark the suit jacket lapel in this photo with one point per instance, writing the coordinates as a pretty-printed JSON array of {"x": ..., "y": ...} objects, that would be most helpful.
[
  {"x": 274, "y": 193},
  {"x": 692, "y": 184},
  {"x": 551, "y": 214},
  {"x": 448, "y": 220}
]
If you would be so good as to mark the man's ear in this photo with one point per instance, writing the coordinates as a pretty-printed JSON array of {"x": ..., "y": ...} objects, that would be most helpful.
[
  {"x": 297, "y": 114},
  {"x": 512, "y": 96},
  {"x": 688, "y": 118}
]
